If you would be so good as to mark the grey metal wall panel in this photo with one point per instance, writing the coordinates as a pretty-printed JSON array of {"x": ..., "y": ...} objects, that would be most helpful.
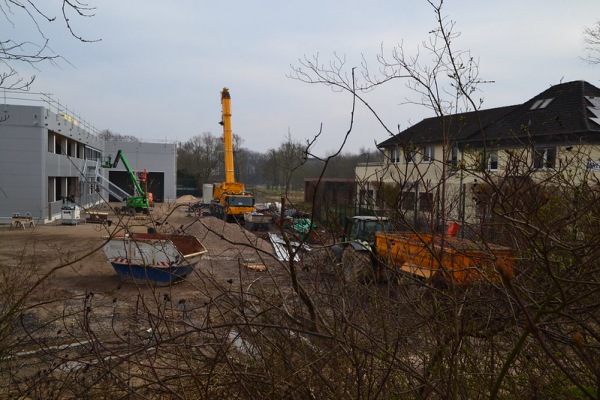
[
  {"x": 26, "y": 164},
  {"x": 153, "y": 157},
  {"x": 21, "y": 163}
]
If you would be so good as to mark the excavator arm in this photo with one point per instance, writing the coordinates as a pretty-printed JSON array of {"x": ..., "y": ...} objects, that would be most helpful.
[
  {"x": 120, "y": 156},
  {"x": 141, "y": 199}
]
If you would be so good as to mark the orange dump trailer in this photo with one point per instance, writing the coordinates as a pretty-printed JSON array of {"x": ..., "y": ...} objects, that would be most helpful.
[{"x": 444, "y": 258}]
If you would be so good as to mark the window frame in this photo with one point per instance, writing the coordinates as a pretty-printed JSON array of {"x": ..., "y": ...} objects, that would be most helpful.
[
  {"x": 453, "y": 156},
  {"x": 544, "y": 158},
  {"x": 426, "y": 201},
  {"x": 490, "y": 161},
  {"x": 395, "y": 156},
  {"x": 428, "y": 154},
  {"x": 408, "y": 201},
  {"x": 410, "y": 156}
]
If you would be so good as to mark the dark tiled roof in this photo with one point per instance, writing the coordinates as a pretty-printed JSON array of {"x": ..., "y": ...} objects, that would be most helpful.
[
  {"x": 456, "y": 127},
  {"x": 566, "y": 117}
]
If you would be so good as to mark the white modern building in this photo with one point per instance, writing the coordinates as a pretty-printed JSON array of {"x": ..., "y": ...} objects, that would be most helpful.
[{"x": 47, "y": 155}]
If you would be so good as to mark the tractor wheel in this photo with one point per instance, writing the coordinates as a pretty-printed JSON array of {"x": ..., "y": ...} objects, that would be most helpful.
[
  {"x": 356, "y": 266},
  {"x": 131, "y": 211}
]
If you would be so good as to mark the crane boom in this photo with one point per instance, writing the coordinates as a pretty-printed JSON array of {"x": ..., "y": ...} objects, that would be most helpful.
[
  {"x": 227, "y": 136},
  {"x": 230, "y": 199}
]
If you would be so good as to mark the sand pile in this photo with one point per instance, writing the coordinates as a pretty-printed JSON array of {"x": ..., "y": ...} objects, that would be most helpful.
[{"x": 188, "y": 198}]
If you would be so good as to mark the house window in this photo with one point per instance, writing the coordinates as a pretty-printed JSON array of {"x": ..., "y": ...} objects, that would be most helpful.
[
  {"x": 492, "y": 164},
  {"x": 484, "y": 210},
  {"x": 365, "y": 197},
  {"x": 410, "y": 155},
  {"x": 544, "y": 158},
  {"x": 395, "y": 156},
  {"x": 425, "y": 201},
  {"x": 408, "y": 201},
  {"x": 428, "y": 154},
  {"x": 542, "y": 103},
  {"x": 453, "y": 156}
]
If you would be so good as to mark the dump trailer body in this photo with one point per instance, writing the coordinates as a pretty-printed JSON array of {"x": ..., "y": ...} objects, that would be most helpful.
[
  {"x": 450, "y": 259},
  {"x": 153, "y": 258}
]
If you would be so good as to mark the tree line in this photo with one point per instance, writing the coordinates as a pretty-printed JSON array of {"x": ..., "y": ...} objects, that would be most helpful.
[
  {"x": 200, "y": 160},
  {"x": 298, "y": 330}
]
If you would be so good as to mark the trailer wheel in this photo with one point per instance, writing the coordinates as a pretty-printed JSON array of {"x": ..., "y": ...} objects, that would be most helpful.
[
  {"x": 438, "y": 281},
  {"x": 356, "y": 266}
]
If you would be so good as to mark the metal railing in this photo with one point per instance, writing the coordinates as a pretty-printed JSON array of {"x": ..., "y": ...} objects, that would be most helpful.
[{"x": 18, "y": 97}]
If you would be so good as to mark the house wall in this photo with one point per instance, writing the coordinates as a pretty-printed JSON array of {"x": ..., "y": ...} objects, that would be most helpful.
[
  {"x": 576, "y": 163},
  {"x": 419, "y": 179}
]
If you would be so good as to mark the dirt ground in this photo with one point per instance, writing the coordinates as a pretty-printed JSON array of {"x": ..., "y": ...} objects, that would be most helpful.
[{"x": 74, "y": 268}]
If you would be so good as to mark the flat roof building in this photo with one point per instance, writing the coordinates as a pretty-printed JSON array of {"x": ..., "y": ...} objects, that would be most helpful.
[{"x": 47, "y": 155}]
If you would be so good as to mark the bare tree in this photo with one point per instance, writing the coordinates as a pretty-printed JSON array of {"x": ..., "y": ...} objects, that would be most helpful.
[
  {"x": 200, "y": 156},
  {"x": 15, "y": 50},
  {"x": 288, "y": 157},
  {"x": 297, "y": 331},
  {"x": 111, "y": 136},
  {"x": 591, "y": 36},
  {"x": 533, "y": 212}
]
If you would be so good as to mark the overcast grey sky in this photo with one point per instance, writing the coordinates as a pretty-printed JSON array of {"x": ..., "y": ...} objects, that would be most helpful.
[{"x": 159, "y": 69}]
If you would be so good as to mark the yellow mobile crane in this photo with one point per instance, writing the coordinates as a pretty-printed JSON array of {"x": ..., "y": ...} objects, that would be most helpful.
[{"x": 230, "y": 199}]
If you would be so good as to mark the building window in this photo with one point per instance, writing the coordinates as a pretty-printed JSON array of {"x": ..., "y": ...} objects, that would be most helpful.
[
  {"x": 365, "y": 197},
  {"x": 483, "y": 211},
  {"x": 51, "y": 139},
  {"x": 492, "y": 161},
  {"x": 539, "y": 104},
  {"x": 57, "y": 145},
  {"x": 425, "y": 201},
  {"x": 428, "y": 154},
  {"x": 453, "y": 157},
  {"x": 410, "y": 155},
  {"x": 408, "y": 201},
  {"x": 544, "y": 158},
  {"x": 395, "y": 156}
]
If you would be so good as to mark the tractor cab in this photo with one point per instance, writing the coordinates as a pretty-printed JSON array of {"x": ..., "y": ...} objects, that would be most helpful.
[{"x": 363, "y": 228}]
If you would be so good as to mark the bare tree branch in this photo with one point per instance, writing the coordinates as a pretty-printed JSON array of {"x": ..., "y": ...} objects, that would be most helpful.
[{"x": 15, "y": 51}]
